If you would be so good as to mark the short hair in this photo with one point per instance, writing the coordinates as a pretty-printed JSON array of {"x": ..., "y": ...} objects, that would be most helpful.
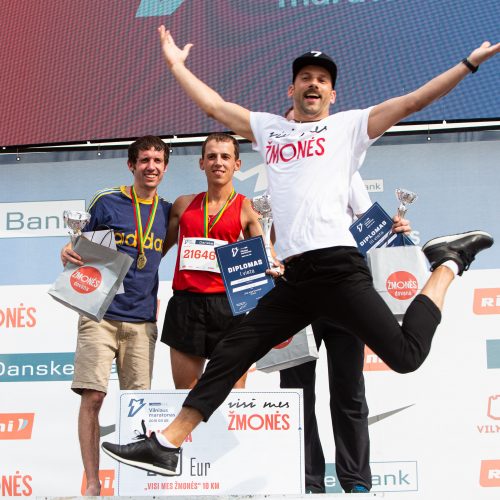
[
  {"x": 221, "y": 137},
  {"x": 144, "y": 144}
]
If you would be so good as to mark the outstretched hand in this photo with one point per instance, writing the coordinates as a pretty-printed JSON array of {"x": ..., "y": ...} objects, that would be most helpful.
[
  {"x": 483, "y": 53},
  {"x": 171, "y": 53}
]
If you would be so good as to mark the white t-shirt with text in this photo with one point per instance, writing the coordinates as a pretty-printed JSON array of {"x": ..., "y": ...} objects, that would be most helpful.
[{"x": 309, "y": 168}]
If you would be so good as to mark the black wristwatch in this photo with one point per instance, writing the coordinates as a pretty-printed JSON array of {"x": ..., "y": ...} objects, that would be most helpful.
[{"x": 469, "y": 65}]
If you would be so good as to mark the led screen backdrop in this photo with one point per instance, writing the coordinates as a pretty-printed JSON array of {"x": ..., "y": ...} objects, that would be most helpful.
[{"x": 91, "y": 69}]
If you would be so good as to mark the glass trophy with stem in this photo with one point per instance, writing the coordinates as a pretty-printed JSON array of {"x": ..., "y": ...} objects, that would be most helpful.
[
  {"x": 405, "y": 198},
  {"x": 262, "y": 205},
  {"x": 75, "y": 220}
]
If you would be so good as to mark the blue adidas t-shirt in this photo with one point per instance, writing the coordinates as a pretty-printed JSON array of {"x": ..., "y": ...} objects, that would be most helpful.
[{"x": 113, "y": 208}]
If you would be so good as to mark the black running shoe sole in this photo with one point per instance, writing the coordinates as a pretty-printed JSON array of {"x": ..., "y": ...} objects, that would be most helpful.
[
  {"x": 455, "y": 237},
  {"x": 140, "y": 465}
]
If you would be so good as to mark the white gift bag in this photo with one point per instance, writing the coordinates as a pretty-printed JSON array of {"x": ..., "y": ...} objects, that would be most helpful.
[
  {"x": 399, "y": 274},
  {"x": 105, "y": 237},
  {"x": 90, "y": 289},
  {"x": 296, "y": 350}
]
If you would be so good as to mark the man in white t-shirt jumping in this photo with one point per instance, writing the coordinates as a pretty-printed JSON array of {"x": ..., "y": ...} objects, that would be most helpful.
[
  {"x": 348, "y": 406},
  {"x": 310, "y": 163}
]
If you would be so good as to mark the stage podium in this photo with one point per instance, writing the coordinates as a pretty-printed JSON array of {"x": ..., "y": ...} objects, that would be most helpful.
[{"x": 253, "y": 444}]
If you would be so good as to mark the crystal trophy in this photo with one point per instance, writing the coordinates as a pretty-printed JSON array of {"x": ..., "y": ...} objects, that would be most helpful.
[
  {"x": 262, "y": 205},
  {"x": 76, "y": 220},
  {"x": 405, "y": 199}
]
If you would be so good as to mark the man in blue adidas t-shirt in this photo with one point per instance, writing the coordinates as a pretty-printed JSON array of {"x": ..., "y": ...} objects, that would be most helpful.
[{"x": 128, "y": 332}]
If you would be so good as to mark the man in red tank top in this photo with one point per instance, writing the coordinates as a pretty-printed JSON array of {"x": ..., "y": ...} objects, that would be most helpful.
[{"x": 198, "y": 314}]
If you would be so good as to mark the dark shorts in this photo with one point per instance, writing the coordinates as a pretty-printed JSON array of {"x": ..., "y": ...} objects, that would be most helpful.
[{"x": 195, "y": 322}]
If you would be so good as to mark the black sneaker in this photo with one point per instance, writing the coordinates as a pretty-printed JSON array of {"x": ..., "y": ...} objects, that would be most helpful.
[
  {"x": 460, "y": 248},
  {"x": 147, "y": 454}
]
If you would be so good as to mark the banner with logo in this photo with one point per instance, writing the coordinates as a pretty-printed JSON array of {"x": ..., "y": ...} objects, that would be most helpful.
[
  {"x": 252, "y": 444},
  {"x": 415, "y": 420}
]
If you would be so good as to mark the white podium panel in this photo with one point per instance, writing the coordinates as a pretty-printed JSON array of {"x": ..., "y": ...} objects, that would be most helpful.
[{"x": 252, "y": 444}]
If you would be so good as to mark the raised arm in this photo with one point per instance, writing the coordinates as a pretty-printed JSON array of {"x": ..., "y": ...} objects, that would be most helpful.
[
  {"x": 388, "y": 113},
  {"x": 234, "y": 117}
]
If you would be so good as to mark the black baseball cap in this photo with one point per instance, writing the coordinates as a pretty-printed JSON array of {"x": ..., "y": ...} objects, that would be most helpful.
[{"x": 315, "y": 58}]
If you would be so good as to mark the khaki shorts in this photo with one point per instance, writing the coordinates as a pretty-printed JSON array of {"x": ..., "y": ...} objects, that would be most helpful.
[{"x": 98, "y": 344}]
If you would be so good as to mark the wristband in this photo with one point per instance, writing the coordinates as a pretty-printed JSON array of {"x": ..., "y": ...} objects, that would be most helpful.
[{"x": 469, "y": 65}]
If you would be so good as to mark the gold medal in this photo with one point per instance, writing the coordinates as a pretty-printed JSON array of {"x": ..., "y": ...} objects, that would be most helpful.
[
  {"x": 141, "y": 261},
  {"x": 142, "y": 237}
]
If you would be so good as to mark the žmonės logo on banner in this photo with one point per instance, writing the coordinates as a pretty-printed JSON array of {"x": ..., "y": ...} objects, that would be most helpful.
[
  {"x": 17, "y": 316},
  {"x": 402, "y": 285},
  {"x": 15, "y": 484},
  {"x": 86, "y": 279},
  {"x": 215, "y": 458}
]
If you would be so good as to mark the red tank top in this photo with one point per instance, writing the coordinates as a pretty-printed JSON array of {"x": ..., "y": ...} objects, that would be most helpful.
[{"x": 228, "y": 228}]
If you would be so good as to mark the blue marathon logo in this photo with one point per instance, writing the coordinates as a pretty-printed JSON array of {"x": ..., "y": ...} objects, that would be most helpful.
[
  {"x": 493, "y": 353},
  {"x": 135, "y": 406},
  {"x": 36, "y": 367},
  {"x": 156, "y": 8}
]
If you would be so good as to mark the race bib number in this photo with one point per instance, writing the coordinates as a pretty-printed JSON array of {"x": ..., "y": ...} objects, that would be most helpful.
[{"x": 198, "y": 254}]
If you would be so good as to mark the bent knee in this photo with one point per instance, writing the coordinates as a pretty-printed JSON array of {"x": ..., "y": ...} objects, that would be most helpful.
[
  {"x": 92, "y": 398},
  {"x": 406, "y": 366}
]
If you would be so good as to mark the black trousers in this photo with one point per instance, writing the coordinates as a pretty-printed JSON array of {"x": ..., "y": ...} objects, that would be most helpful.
[
  {"x": 334, "y": 283},
  {"x": 348, "y": 409}
]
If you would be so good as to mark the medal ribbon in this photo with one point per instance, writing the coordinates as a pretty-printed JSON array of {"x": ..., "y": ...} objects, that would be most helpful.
[
  {"x": 140, "y": 236},
  {"x": 206, "y": 227}
]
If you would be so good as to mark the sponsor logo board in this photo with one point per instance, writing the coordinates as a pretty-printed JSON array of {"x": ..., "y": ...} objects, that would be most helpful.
[
  {"x": 374, "y": 185},
  {"x": 486, "y": 301},
  {"x": 34, "y": 219},
  {"x": 36, "y": 367},
  {"x": 40, "y": 367},
  {"x": 373, "y": 363},
  {"x": 17, "y": 316},
  {"x": 16, "y": 425},
  {"x": 493, "y": 353},
  {"x": 107, "y": 479},
  {"x": 246, "y": 420},
  {"x": 17, "y": 484},
  {"x": 490, "y": 473},
  {"x": 491, "y": 426},
  {"x": 386, "y": 477}
]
